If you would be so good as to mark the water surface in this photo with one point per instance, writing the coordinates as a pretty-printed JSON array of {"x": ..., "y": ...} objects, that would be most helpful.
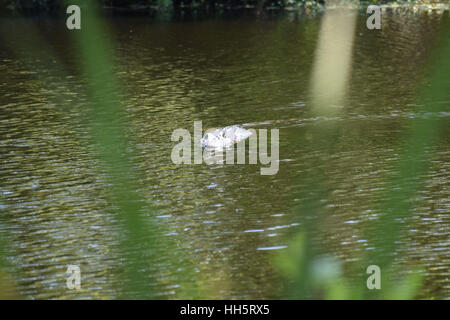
[{"x": 229, "y": 220}]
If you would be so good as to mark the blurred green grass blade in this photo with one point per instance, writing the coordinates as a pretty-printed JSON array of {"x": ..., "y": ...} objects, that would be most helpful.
[
  {"x": 108, "y": 129},
  {"x": 425, "y": 132},
  {"x": 415, "y": 159}
]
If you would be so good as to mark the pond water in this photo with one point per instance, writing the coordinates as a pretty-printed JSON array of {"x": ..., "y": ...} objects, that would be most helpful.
[{"x": 229, "y": 220}]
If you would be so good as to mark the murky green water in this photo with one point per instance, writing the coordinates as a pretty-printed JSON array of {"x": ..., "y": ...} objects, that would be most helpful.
[{"x": 225, "y": 218}]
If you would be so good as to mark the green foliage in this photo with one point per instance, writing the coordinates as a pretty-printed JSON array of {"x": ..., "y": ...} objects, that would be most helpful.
[
  {"x": 108, "y": 129},
  {"x": 165, "y": 4},
  {"x": 309, "y": 275}
]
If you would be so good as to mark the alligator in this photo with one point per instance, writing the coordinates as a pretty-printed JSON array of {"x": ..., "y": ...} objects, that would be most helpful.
[{"x": 224, "y": 137}]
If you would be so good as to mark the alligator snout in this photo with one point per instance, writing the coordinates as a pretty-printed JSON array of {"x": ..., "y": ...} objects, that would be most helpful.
[{"x": 224, "y": 137}]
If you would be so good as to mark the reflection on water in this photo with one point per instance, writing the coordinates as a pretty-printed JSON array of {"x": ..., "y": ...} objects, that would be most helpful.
[{"x": 228, "y": 219}]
